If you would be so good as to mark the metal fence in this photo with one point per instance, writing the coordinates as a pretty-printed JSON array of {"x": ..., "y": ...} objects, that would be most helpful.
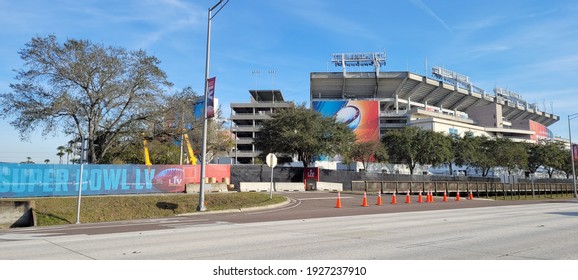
[{"x": 524, "y": 190}]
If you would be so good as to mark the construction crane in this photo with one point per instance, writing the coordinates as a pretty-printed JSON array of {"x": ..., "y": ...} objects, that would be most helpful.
[
  {"x": 190, "y": 154},
  {"x": 146, "y": 151}
]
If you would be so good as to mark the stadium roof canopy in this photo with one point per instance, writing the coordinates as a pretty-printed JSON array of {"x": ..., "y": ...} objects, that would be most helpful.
[{"x": 387, "y": 86}]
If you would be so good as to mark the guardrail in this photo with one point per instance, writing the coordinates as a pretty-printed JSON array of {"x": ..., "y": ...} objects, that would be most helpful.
[{"x": 478, "y": 189}]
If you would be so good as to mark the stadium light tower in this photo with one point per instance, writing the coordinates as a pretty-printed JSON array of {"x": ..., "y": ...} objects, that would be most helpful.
[
  {"x": 570, "y": 117},
  {"x": 220, "y": 5}
]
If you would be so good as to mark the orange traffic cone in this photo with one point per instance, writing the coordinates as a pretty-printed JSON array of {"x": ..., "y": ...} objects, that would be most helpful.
[
  {"x": 429, "y": 196},
  {"x": 445, "y": 197},
  {"x": 338, "y": 204},
  {"x": 407, "y": 198},
  {"x": 458, "y": 195},
  {"x": 419, "y": 198},
  {"x": 364, "y": 204},
  {"x": 379, "y": 202},
  {"x": 393, "y": 198},
  {"x": 471, "y": 196}
]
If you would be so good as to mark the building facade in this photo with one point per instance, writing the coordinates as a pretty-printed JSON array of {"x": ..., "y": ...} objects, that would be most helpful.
[{"x": 247, "y": 119}]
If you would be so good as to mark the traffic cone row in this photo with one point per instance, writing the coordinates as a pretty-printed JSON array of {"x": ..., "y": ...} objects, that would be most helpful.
[{"x": 429, "y": 198}]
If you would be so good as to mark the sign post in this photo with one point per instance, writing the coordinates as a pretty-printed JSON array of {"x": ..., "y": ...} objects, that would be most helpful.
[{"x": 271, "y": 162}]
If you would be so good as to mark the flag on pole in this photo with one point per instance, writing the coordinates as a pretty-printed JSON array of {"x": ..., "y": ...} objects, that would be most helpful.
[
  {"x": 210, "y": 98},
  {"x": 575, "y": 151}
]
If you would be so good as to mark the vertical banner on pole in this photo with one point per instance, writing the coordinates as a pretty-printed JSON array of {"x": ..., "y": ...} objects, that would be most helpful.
[
  {"x": 211, "y": 98},
  {"x": 575, "y": 151}
]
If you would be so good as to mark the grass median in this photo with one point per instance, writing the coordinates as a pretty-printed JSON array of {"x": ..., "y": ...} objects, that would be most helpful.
[{"x": 62, "y": 210}]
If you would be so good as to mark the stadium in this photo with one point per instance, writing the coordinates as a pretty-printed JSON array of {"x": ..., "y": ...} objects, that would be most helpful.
[{"x": 446, "y": 102}]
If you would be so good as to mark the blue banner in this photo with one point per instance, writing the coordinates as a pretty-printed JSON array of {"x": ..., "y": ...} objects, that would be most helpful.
[{"x": 41, "y": 180}]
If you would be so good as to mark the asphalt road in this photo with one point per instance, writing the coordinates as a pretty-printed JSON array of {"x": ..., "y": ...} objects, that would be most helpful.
[{"x": 309, "y": 226}]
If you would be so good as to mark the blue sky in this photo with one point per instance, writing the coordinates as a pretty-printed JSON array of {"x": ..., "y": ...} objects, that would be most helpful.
[{"x": 530, "y": 47}]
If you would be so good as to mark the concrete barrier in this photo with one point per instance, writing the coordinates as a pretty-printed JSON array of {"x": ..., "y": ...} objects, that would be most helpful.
[
  {"x": 212, "y": 187},
  {"x": 254, "y": 187},
  {"x": 17, "y": 214},
  {"x": 286, "y": 186},
  {"x": 328, "y": 186}
]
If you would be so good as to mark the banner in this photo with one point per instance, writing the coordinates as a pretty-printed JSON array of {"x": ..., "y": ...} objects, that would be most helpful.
[
  {"x": 361, "y": 116},
  {"x": 575, "y": 151},
  {"x": 211, "y": 98},
  {"x": 42, "y": 180}
]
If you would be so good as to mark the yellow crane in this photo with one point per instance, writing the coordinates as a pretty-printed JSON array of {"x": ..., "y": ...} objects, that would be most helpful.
[
  {"x": 146, "y": 151},
  {"x": 191, "y": 155}
]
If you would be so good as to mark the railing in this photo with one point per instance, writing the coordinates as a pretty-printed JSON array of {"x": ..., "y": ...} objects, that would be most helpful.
[{"x": 495, "y": 190}]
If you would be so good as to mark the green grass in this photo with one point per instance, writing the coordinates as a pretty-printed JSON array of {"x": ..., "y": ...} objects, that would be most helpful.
[{"x": 62, "y": 210}]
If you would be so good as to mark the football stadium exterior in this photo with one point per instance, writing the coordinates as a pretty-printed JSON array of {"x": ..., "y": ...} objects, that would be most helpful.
[{"x": 447, "y": 102}]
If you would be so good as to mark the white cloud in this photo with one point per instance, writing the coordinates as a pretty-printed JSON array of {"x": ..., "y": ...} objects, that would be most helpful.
[{"x": 422, "y": 6}]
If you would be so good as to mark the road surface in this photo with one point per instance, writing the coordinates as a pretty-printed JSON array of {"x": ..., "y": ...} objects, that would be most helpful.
[{"x": 311, "y": 228}]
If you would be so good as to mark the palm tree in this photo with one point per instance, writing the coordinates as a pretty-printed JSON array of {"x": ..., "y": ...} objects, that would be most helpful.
[
  {"x": 60, "y": 153},
  {"x": 68, "y": 151},
  {"x": 46, "y": 161}
]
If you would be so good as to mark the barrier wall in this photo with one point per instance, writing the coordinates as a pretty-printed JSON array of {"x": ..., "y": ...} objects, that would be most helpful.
[
  {"x": 41, "y": 180},
  {"x": 328, "y": 186},
  {"x": 16, "y": 214},
  {"x": 211, "y": 187},
  {"x": 254, "y": 186},
  {"x": 282, "y": 186}
]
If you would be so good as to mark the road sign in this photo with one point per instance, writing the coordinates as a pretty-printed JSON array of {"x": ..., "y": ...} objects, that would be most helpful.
[{"x": 271, "y": 160}]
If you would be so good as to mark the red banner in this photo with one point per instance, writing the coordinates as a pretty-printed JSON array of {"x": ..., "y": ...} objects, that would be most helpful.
[
  {"x": 211, "y": 97},
  {"x": 311, "y": 173},
  {"x": 575, "y": 151}
]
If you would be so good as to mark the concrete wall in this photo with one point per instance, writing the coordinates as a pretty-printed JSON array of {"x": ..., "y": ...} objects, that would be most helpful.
[
  {"x": 254, "y": 186},
  {"x": 16, "y": 214},
  {"x": 262, "y": 173},
  {"x": 209, "y": 187}
]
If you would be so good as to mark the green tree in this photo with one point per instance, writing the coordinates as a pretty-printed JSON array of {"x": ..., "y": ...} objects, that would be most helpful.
[
  {"x": 413, "y": 145},
  {"x": 401, "y": 145},
  {"x": 60, "y": 153},
  {"x": 304, "y": 132},
  {"x": 68, "y": 150},
  {"x": 434, "y": 148},
  {"x": 366, "y": 152},
  {"x": 553, "y": 155},
  {"x": 464, "y": 149},
  {"x": 567, "y": 166},
  {"x": 511, "y": 155},
  {"x": 484, "y": 158},
  {"x": 83, "y": 89}
]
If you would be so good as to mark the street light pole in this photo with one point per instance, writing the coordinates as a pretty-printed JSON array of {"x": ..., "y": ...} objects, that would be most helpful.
[
  {"x": 570, "y": 117},
  {"x": 201, "y": 207}
]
